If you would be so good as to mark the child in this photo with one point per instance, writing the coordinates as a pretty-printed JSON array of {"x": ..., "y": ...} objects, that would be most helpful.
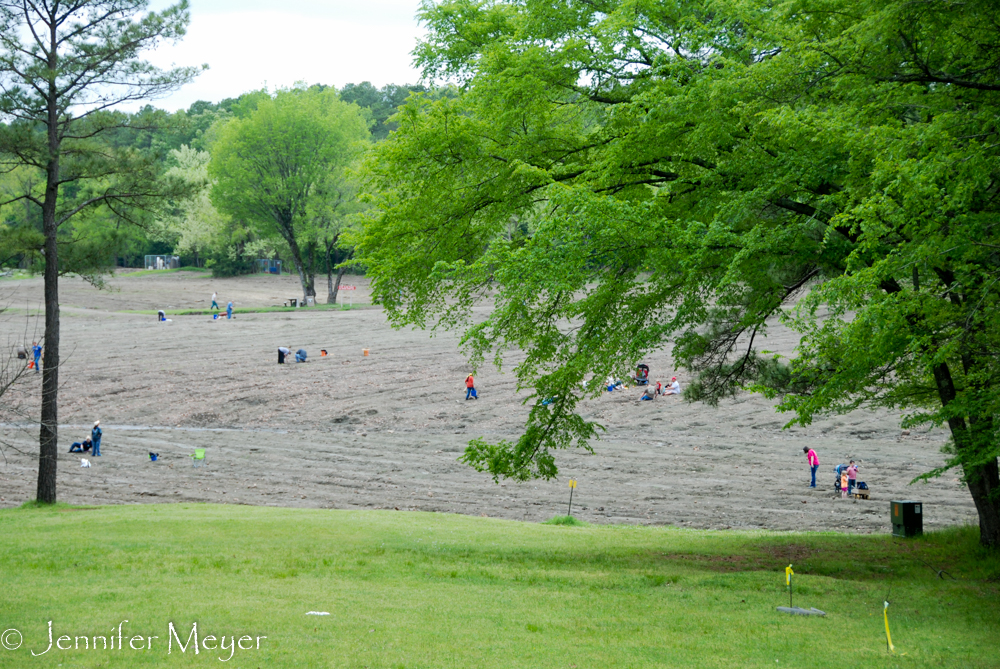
[
  {"x": 843, "y": 484},
  {"x": 852, "y": 477}
]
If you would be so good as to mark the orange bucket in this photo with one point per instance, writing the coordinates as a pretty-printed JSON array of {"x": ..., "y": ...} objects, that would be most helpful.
[{"x": 365, "y": 351}]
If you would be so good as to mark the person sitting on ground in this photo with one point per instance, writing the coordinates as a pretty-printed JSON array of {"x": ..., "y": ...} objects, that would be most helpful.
[
  {"x": 674, "y": 388},
  {"x": 282, "y": 352},
  {"x": 81, "y": 446},
  {"x": 300, "y": 355},
  {"x": 648, "y": 394}
]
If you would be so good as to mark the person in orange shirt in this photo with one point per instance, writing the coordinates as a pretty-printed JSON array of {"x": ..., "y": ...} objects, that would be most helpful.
[
  {"x": 470, "y": 388},
  {"x": 843, "y": 483}
]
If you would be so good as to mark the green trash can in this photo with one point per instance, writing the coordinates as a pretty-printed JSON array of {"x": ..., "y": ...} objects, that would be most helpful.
[{"x": 907, "y": 518}]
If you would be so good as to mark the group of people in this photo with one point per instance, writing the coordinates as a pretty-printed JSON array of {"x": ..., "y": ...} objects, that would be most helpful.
[
  {"x": 652, "y": 391},
  {"x": 215, "y": 305},
  {"x": 284, "y": 351},
  {"x": 91, "y": 444},
  {"x": 847, "y": 475},
  {"x": 36, "y": 352}
]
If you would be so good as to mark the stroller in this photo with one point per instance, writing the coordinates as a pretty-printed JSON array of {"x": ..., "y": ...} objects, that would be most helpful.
[
  {"x": 836, "y": 482},
  {"x": 641, "y": 375}
]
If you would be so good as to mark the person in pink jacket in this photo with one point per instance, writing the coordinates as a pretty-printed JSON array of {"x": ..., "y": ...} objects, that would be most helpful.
[{"x": 813, "y": 463}]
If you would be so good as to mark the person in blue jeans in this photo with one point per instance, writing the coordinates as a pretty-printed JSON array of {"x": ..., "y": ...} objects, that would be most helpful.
[
  {"x": 300, "y": 355},
  {"x": 95, "y": 436},
  {"x": 229, "y": 309},
  {"x": 81, "y": 446},
  {"x": 813, "y": 463},
  {"x": 37, "y": 351}
]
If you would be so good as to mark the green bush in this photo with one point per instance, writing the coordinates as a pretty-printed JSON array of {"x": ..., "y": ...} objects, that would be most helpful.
[{"x": 222, "y": 265}]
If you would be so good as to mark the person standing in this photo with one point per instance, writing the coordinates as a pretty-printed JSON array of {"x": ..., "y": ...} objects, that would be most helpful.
[
  {"x": 813, "y": 460},
  {"x": 36, "y": 350},
  {"x": 95, "y": 437},
  {"x": 843, "y": 484},
  {"x": 215, "y": 304},
  {"x": 852, "y": 477},
  {"x": 470, "y": 388},
  {"x": 229, "y": 309}
]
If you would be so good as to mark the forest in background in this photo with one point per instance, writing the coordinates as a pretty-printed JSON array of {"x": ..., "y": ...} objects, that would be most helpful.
[{"x": 193, "y": 227}]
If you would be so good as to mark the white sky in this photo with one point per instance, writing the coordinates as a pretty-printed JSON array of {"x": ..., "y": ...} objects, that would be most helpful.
[{"x": 250, "y": 43}]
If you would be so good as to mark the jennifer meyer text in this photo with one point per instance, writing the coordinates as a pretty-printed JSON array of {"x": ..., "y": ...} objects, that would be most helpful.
[{"x": 174, "y": 640}]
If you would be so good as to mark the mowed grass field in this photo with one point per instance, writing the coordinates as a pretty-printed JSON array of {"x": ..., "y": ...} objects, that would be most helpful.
[{"x": 439, "y": 590}]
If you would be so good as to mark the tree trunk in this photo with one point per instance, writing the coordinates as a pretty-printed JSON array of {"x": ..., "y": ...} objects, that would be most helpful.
[
  {"x": 331, "y": 294},
  {"x": 293, "y": 246},
  {"x": 336, "y": 287},
  {"x": 331, "y": 290},
  {"x": 48, "y": 431},
  {"x": 311, "y": 271},
  {"x": 983, "y": 479}
]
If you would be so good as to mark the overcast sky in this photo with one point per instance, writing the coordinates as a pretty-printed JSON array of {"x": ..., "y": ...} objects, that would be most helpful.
[{"x": 250, "y": 43}]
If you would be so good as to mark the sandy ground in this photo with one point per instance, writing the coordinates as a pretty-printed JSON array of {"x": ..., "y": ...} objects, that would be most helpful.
[{"x": 385, "y": 431}]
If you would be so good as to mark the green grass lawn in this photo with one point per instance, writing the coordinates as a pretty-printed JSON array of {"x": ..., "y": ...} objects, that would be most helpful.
[
  {"x": 435, "y": 590},
  {"x": 159, "y": 272}
]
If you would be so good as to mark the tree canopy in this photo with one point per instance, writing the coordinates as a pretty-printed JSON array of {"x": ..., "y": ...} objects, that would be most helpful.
[
  {"x": 270, "y": 164},
  {"x": 623, "y": 176}
]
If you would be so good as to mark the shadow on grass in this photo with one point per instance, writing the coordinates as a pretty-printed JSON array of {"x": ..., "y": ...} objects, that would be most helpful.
[{"x": 35, "y": 505}]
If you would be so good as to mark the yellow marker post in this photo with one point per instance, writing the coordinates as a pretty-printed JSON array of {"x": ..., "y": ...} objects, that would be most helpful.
[
  {"x": 888, "y": 639},
  {"x": 788, "y": 582},
  {"x": 572, "y": 487}
]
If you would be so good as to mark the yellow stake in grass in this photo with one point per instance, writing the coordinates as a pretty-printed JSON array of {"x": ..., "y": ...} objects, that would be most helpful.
[
  {"x": 888, "y": 639},
  {"x": 788, "y": 582},
  {"x": 572, "y": 487}
]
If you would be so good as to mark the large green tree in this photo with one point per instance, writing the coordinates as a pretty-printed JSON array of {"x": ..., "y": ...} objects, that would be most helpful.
[
  {"x": 63, "y": 67},
  {"x": 620, "y": 176},
  {"x": 272, "y": 162}
]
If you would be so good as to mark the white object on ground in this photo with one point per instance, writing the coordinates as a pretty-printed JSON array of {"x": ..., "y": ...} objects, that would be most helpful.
[
  {"x": 797, "y": 611},
  {"x": 317, "y": 613},
  {"x": 84, "y": 462}
]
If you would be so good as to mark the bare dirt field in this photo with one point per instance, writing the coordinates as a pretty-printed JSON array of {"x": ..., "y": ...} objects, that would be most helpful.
[{"x": 385, "y": 431}]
